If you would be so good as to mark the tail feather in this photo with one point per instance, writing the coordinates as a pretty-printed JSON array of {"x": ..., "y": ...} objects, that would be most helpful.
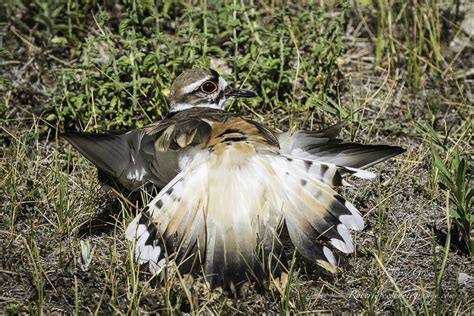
[
  {"x": 327, "y": 173},
  {"x": 321, "y": 191},
  {"x": 315, "y": 211},
  {"x": 272, "y": 252},
  {"x": 215, "y": 260},
  {"x": 219, "y": 212},
  {"x": 306, "y": 245}
]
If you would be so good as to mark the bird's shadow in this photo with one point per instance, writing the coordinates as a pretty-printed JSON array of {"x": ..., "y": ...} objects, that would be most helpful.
[
  {"x": 108, "y": 218},
  {"x": 102, "y": 223},
  {"x": 456, "y": 243}
]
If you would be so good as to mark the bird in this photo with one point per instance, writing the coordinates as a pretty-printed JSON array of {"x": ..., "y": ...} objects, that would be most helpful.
[{"x": 228, "y": 185}]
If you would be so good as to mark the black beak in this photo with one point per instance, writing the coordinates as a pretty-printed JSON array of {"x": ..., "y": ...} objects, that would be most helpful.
[{"x": 234, "y": 93}]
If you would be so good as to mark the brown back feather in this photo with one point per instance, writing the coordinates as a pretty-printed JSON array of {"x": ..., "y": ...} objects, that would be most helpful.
[{"x": 205, "y": 127}]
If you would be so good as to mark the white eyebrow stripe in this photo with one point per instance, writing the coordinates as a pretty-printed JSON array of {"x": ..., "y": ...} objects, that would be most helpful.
[{"x": 193, "y": 86}]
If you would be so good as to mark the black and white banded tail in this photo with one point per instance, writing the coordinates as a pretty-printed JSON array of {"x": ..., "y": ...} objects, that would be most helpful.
[{"x": 224, "y": 213}]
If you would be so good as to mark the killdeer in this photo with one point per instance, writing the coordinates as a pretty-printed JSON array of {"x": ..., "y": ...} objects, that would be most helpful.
[{"x": 229, "y": 184}]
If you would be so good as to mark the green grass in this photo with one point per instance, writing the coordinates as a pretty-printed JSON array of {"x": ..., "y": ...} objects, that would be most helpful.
[
  {"x": 125, "y": 67},
  {"x": 385, "y": 67},
  {"x": 453, "y": 175}
]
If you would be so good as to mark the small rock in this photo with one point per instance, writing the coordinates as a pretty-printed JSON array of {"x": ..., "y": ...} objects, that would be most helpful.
[
  {"x": 463, "y": 38},
  {"x": 464, "y": 278},
  {"x": 220, "y": 65},
  {"x": 468, "y": 23}
]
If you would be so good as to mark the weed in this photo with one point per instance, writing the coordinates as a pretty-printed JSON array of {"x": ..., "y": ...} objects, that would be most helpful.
[
  {"x": 453, "y": 173},
  {"x": 456, "y": 177},
  {"x": 125, "y": 72},
  {"x": 410, "y": 33}
]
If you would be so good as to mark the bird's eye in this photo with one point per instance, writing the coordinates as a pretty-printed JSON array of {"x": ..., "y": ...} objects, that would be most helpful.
[{"x": 208, "y": 87}]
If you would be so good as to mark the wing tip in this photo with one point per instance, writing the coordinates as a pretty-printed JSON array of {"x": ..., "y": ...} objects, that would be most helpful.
[{"x": 359, "y": 173}]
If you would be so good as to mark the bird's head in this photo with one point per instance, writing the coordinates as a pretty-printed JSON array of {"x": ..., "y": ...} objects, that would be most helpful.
[{"x": 202, "y": 87}]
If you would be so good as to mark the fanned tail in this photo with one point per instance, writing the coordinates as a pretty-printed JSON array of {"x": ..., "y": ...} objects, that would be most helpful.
[{"x": 224, "y": 210}]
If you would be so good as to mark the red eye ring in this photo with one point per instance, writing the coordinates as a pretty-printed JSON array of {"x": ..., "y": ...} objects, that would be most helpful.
[{"x": 208, "y": 87}]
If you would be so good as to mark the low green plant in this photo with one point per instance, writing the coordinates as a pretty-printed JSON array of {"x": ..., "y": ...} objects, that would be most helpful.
[
  {"x": 290, "y": 58},
  {"x": 456, "y": 178},
  {"x": 5, "y": 55},
  {"x": 453, "y": 173},
  {"x": 439, "y": 304}
]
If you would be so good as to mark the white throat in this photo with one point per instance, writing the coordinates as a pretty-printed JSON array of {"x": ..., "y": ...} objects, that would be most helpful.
[{"x": 184, "y": 106}]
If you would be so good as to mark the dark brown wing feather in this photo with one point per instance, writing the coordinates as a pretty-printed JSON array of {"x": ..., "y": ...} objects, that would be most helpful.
[
  {"x": 205, "y": 127},
  {"x": 323, "y": 146},
  {"x": 124, "y": 156}
]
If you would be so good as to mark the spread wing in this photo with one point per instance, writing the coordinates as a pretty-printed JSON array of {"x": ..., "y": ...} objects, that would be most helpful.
[
  {"x": 125, "y": 156},
  {"x": 325, "y": 147},
  {"x": 148, "y": 154}
]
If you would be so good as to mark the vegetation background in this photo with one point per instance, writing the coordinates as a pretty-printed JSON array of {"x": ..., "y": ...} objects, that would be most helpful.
[{"x": 399, "y": 72}]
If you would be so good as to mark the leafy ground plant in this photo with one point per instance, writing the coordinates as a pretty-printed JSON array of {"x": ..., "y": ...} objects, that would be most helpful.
[
  {"x": 454, "y": 175},
  {"x": 123, "y": 66},
  {"x": 386, "y": 67}
]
